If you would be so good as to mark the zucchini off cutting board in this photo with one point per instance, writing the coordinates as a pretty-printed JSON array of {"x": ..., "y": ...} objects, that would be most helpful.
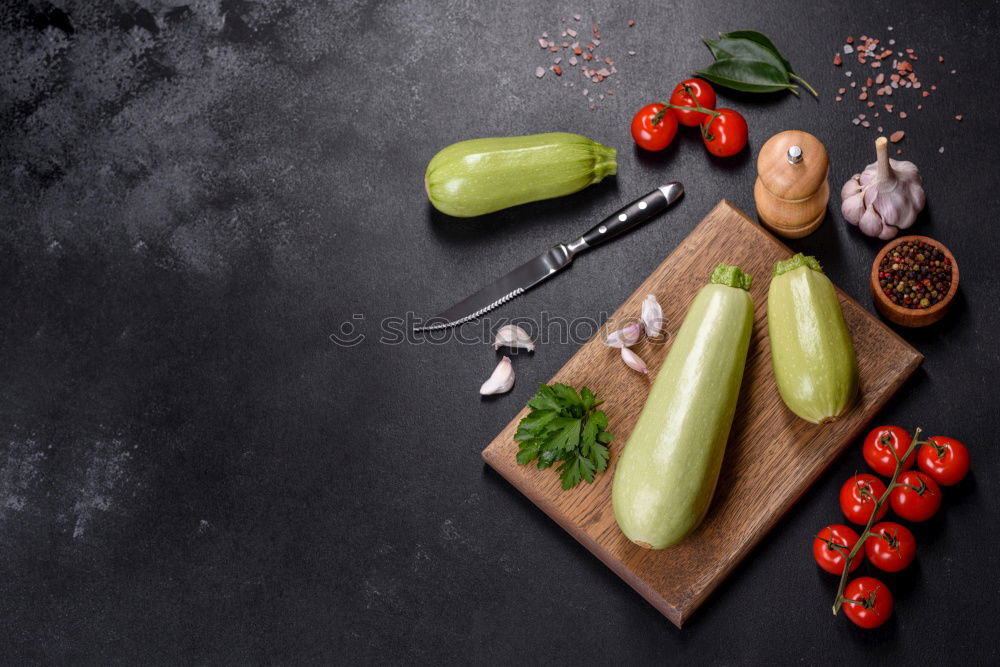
[{"x": 772, "y": 456}]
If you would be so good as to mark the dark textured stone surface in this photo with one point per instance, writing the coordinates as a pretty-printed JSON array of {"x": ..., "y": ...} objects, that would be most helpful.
[{"x": 195, "y": 195}]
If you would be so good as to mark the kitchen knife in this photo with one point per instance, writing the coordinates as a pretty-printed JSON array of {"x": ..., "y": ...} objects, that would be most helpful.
[{"x": 555, "y": 258}]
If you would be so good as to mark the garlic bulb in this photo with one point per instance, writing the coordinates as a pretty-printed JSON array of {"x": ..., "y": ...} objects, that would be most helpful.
[
  {"x": 885, "y": 197},
  {"x": 633, "y": 361},
  {"x": 501, "y": 380},
  {"x": 652, "y": 316},
  {"x": 513, "y": 336},
  {"x": 630, "y": 335}
]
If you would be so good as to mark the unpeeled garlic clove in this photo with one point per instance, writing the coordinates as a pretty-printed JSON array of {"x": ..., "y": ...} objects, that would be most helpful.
[
  {"x": 885, "y": 197},
  {"x": 633, "y": 361},
  {"x": 622, "y": 338},
  {"x": 513, "y": 336},
  {"x": 652, "y": 316},
  {"x": 501, "y": 380}
]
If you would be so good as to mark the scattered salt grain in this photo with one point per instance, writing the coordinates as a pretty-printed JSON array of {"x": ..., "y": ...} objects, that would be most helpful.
[
  {"x": 631, "y": 23},
  {"x": 576, "y": 17},
  {"x": 539, "y": 72},
  {"x": 902, "y": 114},
  {"x": 856, "y": 121},
  {"x": 631, "y": 53},
  {"x": 958, "y": 118},
  {"x": 847, "y": 73},
  {"x": 941, "y": 150},
  {"x": 848, "y": 49},
  {"x": 897, "y": 136},
  {"x": 543, "y": 43}
]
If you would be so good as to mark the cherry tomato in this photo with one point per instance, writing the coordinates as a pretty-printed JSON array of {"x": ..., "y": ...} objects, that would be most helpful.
[
  {"x": 831, "y": 546},
  {"x": 858, "y": 496},
  {"x": 654, "y": 137},
  {"x": 879, "y": 446},
  {"x": 867, "y": 602},
  {"x": 726, "y": 134},
  {"x": 918, "y": 499},
  {"x": 945, "y": 459},
  {"x": 686, "y": 94},
  {"x": 891, "y": 546}
]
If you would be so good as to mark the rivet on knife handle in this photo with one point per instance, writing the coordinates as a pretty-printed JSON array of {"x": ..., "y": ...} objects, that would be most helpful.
[{"x": 633, "y": 214}]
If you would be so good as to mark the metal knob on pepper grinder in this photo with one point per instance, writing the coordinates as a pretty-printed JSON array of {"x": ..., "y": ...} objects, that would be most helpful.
[{"x": 792, "y": 189}]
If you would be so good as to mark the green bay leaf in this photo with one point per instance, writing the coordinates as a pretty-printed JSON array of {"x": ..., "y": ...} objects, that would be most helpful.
[
  {"x": 759, "y": 38},
  {"x": 726, "y": 48},
  {"x": 751, "y": 76}
]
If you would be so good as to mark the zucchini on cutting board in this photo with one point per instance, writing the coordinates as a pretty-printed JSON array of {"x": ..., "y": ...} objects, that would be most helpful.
[{"x": 666, "y": 476}]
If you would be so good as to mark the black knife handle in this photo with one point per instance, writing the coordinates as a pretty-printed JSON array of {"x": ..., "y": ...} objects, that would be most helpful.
[{"x": 633, "y": 214}]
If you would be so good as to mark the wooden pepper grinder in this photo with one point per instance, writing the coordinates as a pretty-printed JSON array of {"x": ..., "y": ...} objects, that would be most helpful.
[{"x": 792, "y": 190}]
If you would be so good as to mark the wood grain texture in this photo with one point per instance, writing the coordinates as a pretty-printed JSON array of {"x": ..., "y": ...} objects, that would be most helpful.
[
  {"x": 751, "y": 494},
  {"x": 791, "y": 199}
]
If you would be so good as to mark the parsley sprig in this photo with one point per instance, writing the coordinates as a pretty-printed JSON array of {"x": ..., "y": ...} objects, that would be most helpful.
[{"x": 565, "y": 426}]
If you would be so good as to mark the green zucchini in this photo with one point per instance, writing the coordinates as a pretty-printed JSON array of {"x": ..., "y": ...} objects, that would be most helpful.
[
  {"x": 811, "y": 351},
  {"x": 480, "y": 176},
  {"x": 666, "y": 476}
]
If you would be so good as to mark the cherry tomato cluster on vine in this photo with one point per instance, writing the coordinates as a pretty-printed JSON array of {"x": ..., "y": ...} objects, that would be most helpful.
[
  {"x": 723, "y": 131},
  {"x": 889, "y": 546}
]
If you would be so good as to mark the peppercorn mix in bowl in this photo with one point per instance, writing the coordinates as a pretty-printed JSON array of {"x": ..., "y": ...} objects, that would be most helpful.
[{"x": 914, "y": 280}]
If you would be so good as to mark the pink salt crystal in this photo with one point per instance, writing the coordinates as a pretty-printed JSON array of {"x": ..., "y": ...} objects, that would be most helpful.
[{"x": 539, "y": 72}]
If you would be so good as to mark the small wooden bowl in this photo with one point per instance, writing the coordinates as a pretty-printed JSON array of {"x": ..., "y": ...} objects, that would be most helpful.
[{"x": 912, "y": 317}]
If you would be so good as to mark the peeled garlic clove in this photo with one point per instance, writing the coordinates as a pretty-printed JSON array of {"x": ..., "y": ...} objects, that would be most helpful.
[
  {"x": 502, "y": 379},
  {"x": 630, "y": 335},
  {"x": 513, "y": 336},
  {"x": 633, "y": 361},
  {"x": 652, "y": 316}
]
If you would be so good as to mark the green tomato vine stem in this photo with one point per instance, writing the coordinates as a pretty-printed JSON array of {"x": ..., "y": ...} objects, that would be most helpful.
[
  {"x": 697, "y": 107},
  {"x": 867, "y": 532}
]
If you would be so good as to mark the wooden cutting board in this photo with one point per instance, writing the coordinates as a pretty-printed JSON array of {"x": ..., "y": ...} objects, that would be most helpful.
[{"x": 772, "y": 456}]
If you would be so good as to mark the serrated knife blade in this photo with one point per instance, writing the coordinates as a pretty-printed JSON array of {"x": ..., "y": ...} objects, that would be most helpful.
[{"x": 554, "y": 259}]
